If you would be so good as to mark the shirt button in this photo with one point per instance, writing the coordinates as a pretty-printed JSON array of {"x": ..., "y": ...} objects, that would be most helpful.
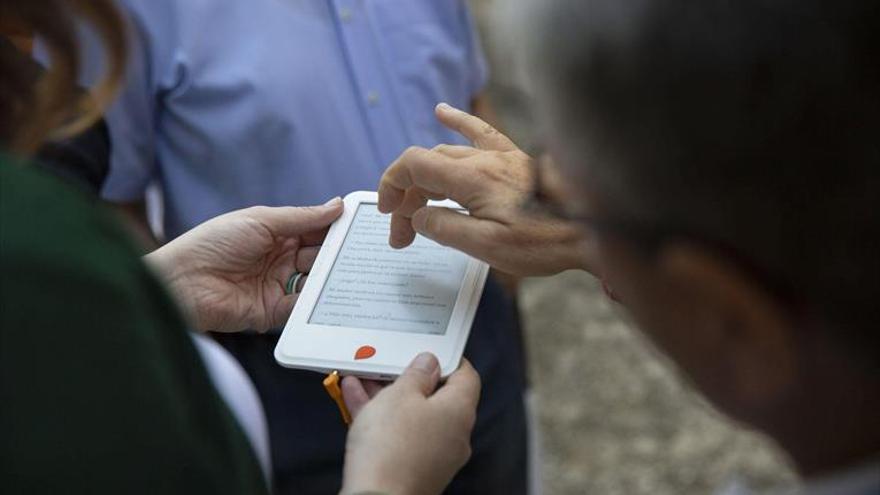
[
  {"x": 373, "y": 98},
  {"x": 345, "y": 14}
]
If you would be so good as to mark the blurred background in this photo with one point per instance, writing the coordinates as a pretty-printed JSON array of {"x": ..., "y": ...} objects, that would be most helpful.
[{"x": 614, "y": 416}]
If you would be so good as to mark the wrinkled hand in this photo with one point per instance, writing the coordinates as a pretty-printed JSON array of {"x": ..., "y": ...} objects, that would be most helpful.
[
  {"x": 410, "y": 437},
  {"x": 491, "y": 180},
  {"x": 230, "y": 273}
]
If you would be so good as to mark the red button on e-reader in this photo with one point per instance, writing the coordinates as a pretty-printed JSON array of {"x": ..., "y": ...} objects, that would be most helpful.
[{"x": 365, "y": 352}]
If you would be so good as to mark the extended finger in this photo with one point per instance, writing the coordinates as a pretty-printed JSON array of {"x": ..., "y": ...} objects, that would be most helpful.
[
  {"x": 475, "y": 129},
  {"x": 475, "y": 236},
  {"x": 289, "y": 221}
]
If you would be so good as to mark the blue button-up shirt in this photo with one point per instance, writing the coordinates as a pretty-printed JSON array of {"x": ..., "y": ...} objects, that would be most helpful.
[{"x": 233, "y": 103}]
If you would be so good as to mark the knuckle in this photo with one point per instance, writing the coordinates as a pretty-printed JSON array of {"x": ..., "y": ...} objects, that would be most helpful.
[
  {"x": 489, "y": 238},
  {"x": 257, "y": 213},
  {"x": 413, "y": 152},
  {"x": 491, "y": 166},
  {"x": 488, "y": 130},
  {"x": 306, "y": 211},
  {"x": 522, "y": 157}
]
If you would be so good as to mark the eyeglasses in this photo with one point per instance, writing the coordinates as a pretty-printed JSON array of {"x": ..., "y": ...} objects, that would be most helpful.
[{"x": 648, "y": 238}]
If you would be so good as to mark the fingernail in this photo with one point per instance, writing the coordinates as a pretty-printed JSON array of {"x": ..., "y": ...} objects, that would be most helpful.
[
  {"x": 425, "y": 362},
  {"x": 333, "y": 201},
  {"x": 444, "y": 107}
]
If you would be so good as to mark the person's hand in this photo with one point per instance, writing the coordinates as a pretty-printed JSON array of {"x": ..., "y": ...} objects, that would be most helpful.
[
  {"x": 230, "y": 273},
  {"x": 491, "y": 180},
  {"x": 410, "y": 437}
]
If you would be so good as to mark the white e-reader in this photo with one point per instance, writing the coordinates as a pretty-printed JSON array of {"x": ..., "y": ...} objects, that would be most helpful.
[{"x": 367, "y": 309}]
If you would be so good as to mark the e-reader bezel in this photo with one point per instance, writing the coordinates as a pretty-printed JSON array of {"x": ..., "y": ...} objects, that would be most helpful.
[{"x": 325, "y": 348}]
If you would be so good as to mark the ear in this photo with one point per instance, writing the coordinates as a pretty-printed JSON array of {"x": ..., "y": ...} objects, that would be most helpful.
[{"x": 754, "y": 333}]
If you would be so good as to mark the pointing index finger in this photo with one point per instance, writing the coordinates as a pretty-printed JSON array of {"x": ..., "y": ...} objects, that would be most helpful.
[{"x": 475, "y": 129}]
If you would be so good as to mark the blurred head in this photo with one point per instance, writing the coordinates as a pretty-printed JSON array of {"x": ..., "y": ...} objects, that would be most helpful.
[
  {"x": 737, "y": 145},
  {"x": 36, "y": 107}
]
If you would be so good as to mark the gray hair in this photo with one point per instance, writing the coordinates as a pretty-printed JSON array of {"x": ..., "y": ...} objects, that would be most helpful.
[{"x": 751, "y": 125}]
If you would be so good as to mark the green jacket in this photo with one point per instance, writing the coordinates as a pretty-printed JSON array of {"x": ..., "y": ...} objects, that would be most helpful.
[{"x": 101, "y": 389}]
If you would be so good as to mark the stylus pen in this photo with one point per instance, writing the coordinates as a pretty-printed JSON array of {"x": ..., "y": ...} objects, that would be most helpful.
[{"x": 331, "y": 385}]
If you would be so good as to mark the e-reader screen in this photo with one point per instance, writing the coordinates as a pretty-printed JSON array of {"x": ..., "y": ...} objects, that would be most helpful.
[{"x": 376, "y": 287}]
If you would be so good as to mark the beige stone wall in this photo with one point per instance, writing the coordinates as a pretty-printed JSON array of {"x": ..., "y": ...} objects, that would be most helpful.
[{"x": 615, "y": 415}]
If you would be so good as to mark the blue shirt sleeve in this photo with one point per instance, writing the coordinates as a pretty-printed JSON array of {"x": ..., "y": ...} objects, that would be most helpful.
[{"x": 132, "y": 121}]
